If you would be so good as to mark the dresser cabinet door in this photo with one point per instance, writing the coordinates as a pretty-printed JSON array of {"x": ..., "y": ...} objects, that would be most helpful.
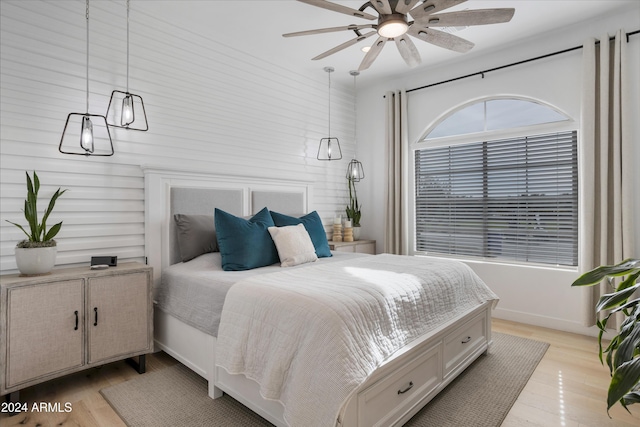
[
  {"x": 45, "y": 330},
  {"x": 118, "y": 316},
  {"x": 366, "y": 248}
]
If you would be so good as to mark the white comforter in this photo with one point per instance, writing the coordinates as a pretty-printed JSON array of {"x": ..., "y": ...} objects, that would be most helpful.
[{"x": 311, "y": 336}]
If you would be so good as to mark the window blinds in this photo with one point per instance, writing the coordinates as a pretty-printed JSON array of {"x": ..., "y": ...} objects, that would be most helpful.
[{"x": 512, "y": 199}]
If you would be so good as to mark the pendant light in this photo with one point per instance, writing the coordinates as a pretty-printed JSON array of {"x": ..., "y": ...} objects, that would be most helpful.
[
  {"x": 355, "y": 171},
  {"x": 329, "y": 148},
  {"x": 87, "y": 136},
  {"x": 121, "y": 111}
]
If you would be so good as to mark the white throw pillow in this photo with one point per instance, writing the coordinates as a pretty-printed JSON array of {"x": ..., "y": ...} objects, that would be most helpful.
[{"x": 294, "y": 245}]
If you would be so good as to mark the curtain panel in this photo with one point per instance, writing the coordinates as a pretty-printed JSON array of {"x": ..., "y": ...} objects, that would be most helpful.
[
  {"x": 396, "y": 231},
  {"x": 606, "y": 165}
]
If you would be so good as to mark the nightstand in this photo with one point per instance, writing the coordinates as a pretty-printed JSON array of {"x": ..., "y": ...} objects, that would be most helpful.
[
  {"x": 72, "y": 319},
  {"x": 358, "y": 246}
]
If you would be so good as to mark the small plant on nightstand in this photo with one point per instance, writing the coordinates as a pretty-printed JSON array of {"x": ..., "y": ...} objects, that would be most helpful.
[
  {"x": 36, "y": 254},
  {"x": 353, "y": 208}
]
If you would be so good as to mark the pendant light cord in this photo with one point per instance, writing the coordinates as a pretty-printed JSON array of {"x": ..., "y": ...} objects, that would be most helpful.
[
  {"x": 127, "y": 46},
  {"x": 87, "y": 16},
  {"x": 329, "y": 72},
  {"x": 355, "y": 112}
]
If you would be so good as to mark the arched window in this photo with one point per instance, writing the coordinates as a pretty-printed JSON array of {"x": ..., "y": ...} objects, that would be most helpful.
[
  {"x": 494, "y": 114},
  {"x": 513, "y": 198}
]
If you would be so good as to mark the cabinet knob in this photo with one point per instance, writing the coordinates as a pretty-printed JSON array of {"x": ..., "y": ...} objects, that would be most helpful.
[
  {"x": 95, "y": 317},
  {"x": 76, "y": 313},
  {"x": 466, "y": 340}
]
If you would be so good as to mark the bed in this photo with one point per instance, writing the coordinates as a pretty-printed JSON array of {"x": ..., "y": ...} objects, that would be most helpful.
[{"x": 380, "y": 379}]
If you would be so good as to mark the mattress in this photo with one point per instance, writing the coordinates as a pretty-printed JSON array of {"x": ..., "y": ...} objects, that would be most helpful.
[{"x": 194, "y": 291}]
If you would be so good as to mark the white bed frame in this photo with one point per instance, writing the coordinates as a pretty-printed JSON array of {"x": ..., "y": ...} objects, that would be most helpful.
[{"x": 395, "y": 392}]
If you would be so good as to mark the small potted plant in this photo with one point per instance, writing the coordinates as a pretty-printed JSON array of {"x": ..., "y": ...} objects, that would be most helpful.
[
  {"x": 37, "y": 254},
  {"x": 353, "y": 209}
]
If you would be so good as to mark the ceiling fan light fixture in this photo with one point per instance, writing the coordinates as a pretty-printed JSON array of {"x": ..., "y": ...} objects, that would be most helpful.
[
  {"x": 399, "y": 19},
  {"x": 393, "y": 25}
]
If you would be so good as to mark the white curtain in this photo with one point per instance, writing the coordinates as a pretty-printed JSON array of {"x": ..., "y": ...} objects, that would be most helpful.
[
  {"x": 395, "y": 219},
  {"x": 606, "y": 166}
]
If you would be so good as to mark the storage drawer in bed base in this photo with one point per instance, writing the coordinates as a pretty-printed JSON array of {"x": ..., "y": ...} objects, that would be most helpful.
[{"x": 410, "y": 382}]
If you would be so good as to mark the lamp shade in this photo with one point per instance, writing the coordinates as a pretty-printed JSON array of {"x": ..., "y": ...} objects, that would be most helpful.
[
  {"x": 86, "y": 135},
  {"x": 126, "y": 110},
  {"x": 329, "y": 149},
  {"x": 355, "y": 171}
]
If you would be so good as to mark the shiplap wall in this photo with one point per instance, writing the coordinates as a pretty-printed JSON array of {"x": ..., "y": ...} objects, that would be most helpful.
[{"x": 210, "y": 108}]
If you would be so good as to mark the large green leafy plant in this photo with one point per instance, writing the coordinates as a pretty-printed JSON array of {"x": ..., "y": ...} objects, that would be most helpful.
[
  {"x": 38, "y": 235},
  {"x": 353, "y": 209},
  {"x": 623, "y": 352}
]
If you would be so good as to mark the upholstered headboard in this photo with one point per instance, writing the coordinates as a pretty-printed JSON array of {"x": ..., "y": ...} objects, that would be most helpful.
[{"x": 168, "y": 192}]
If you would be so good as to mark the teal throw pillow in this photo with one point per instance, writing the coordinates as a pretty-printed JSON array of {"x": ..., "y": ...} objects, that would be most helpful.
[{"x": 245, "y": 243}]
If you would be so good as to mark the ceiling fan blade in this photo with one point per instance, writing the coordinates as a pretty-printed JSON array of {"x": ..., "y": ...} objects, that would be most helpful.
[
  {"x": 468, "y": 17},
  {"x": 339, "y": 8},
  {"x": 373, "y": 53},
  {"x": 408, "y": 50},
  {"x": 430, "y": 6},
  {"x": 440, "y": 38},
  {"x": 405, "y": 6},
  {"x": 382, "y": 6},
  {"x": 344, "y": 45},
  {"x": 328, "y": 30}
]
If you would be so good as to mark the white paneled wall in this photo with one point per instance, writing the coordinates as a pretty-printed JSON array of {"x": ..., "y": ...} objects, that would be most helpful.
[{"x": 209, "y": 108}]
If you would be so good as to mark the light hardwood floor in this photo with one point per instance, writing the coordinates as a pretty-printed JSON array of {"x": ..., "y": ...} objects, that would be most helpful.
[{"x": 568, "y": 389}]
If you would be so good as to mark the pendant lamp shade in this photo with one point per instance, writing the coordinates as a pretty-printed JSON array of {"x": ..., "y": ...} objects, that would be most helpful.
[
  {"x": 355, "y": 171},
  {"x": 126, "y": 110},
  {"x": 86, "y": 134},
  {"x": 329, "y": 148}
]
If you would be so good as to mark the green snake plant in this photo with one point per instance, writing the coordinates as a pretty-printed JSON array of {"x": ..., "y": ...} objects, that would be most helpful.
[
  {"x": 37, "y": 234},
  {"x": 353, "y": 209}
]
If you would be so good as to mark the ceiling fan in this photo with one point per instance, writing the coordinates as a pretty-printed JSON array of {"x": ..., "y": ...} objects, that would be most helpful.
[{"x": 394, "y": 24}]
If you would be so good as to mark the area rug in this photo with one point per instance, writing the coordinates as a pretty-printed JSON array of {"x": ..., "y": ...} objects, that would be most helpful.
[{"x": 481, "y": 396}]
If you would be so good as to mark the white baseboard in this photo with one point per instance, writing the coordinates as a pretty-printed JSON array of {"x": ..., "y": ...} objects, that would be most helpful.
[{"x": 545, "y": 322}]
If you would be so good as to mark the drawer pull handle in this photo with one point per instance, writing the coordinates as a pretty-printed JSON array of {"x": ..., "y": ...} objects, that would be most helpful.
[
  {"x": 76, "y": 313},
  {"x": 406, "y": 389},
  {"x": 95, "y": 319},
  {"x": 466, "y": 340}
]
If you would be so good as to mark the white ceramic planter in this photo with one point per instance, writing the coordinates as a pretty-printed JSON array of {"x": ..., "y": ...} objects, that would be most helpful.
[
  {"x": 34, "y": 261},
  {"x": 356, "y": 233}
]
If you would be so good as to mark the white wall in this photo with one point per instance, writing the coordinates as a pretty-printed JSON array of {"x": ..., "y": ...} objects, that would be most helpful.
[
  {"x": 209, "y": 107},
  {"x": 535, "y": 295}
]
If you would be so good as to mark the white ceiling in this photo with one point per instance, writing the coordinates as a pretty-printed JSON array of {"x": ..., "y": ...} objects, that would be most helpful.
[{"x": 256, "y": 28}]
